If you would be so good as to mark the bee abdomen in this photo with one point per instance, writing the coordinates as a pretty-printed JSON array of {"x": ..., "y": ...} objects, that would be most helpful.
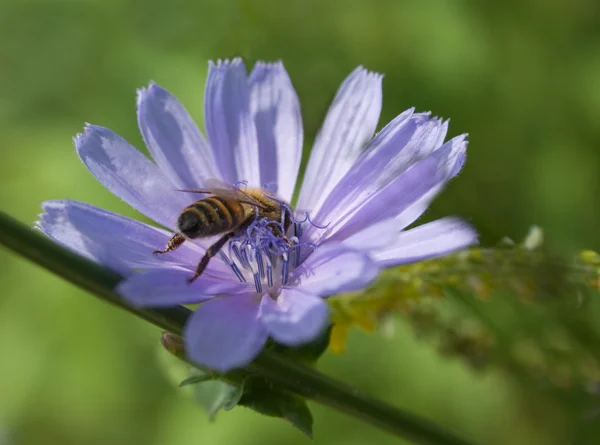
[{"x": 214, "y": 215}]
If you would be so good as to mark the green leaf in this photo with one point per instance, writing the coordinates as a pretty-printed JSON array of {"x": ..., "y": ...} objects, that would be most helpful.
[
  {"x": 194, "y": 379},
  {"x": 279, "y": 404},
  {"x": 214, "y": 395},
  {"x": 203, "y": 386}
]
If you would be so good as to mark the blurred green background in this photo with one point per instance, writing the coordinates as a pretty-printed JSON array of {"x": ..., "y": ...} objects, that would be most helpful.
[{"x": 522, "y": 78}]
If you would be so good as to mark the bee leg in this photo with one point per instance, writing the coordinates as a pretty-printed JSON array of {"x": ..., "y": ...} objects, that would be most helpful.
[
  {"x": 210, "y": 252},
  {"x": 173, "y": 244}
]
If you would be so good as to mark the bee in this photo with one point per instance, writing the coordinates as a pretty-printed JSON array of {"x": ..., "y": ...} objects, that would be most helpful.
[{"x": 228, "y": 210}]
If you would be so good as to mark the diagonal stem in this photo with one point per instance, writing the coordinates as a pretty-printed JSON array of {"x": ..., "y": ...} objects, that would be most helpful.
[{"x": 285, "y": 372}]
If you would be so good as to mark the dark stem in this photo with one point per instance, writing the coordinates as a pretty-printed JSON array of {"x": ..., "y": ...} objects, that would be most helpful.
[{"x": 282, "y": 371}]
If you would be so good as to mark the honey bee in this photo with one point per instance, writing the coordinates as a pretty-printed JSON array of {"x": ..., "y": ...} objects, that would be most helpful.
[{"x": 229, "y": 210}]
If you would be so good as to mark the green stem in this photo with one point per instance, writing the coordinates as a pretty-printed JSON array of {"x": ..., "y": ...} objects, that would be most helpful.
[{"x": 282, "y": 371}]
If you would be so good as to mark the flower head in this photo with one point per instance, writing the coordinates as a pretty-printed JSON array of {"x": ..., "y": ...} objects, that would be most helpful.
[{"x": 359, "y": 194}]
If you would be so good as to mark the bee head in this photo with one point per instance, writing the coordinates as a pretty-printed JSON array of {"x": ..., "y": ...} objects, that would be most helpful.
[{"x": 189, "y": 224}]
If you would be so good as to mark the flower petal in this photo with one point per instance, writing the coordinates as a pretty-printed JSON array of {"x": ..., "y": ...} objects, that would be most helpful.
[
  {"x": 457, "y": 155},
  {"x": 335, "y": 268},
  {"x": 433, "y": 239},
  {"x": 403, "y": 142},
  {"x": 170, "y": 287},
  {"x": 375, "y": 236},
  {"x": 276, "y": 113},
  {"x": 295, "y": 318},
  {"x": 395, "y": 198},
  {"x": 229, "y": 125},
  {"x": 225, "y": 333},
  {"x": 173, "y": 139},
  {"x": 349, "y": 124},
  {"x": 114, "y": 241},
  {"x": 130, "y": 175}
]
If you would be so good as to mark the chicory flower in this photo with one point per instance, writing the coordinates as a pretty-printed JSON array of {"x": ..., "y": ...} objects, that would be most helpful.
[{"x": 360, "y": 193}]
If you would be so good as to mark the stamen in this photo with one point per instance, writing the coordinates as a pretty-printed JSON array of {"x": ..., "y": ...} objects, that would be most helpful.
[
  {"x": 245, "y": 261},
  {"x": 269, "y": 275},
  {"x": 297, "y": 221},
  {"x": 233, "y": 266},
  {"x": 238, "y": 272},
  {"x": 267, "y": 258},
  {"x": 314, "y": 224},
  {"x": 284, "y": 269},
  {"x": 292, "y": 255},
  {"x": 236, "y": 252},
  {"x": 261, "y": 265},
  {"x": 251, "y": 256},
  {"x": 298, "y": 229},
  {"x": 257, "y": 283},
  {"x": 262, "y": 242}
]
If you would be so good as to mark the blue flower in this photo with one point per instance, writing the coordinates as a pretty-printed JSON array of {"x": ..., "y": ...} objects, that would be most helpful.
[{"x": 360, "y": 193}]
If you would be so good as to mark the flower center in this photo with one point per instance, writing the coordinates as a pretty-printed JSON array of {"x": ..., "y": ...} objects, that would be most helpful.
[{"x": 260, "y": 255}]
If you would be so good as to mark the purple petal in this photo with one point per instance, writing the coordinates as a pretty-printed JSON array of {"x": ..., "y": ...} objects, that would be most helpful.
[
  {"x": 276, "y": 113},
  {"x": 415, "y": 211},
  {"x": 385, "y": 203},
  {"x": 349, "y": 124},
  {"x": 395, "y": 198},
  {"x": 173, "y": 139},
  {"x": 375, "y": 236},
  {"x": 433, "y": 239},
  {"x": 333, "y": 269},
  {"x": 295, "y": 318},
  {"x": 114, "y": 241},
  {"x": 403, "y": 142},
  {"x": 225, "y": 333},
  {"x": 456, "y": 159},
  {"x": 130, "y": 175},
  {"x": 229, "y": 124},
  {"x": 170, "y": 287}
]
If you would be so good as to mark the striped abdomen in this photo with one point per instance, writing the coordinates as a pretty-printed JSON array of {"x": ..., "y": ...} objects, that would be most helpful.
[{"x": 211, "y": 216}]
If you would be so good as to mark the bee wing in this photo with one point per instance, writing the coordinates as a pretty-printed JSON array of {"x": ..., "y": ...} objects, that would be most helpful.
[{"x": 223, "y": 190}]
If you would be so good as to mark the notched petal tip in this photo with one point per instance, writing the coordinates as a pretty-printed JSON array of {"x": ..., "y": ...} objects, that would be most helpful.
[
  {"x": 225, "y": 63},
  {"x": 146, "y": 94},
  {"x": 78, "y": 139},
  {"x": 361, "y": 71},
  {"x": 42, "y": 218},
  {"x": 459, "y": 151},
  {"x": 369, "y": 74},
  {"x": 89, "y": 132},
  {"x": 144, "y": 91},
  {"x": 52, "y": 207},
  {"x": 276, "y": 64}
]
